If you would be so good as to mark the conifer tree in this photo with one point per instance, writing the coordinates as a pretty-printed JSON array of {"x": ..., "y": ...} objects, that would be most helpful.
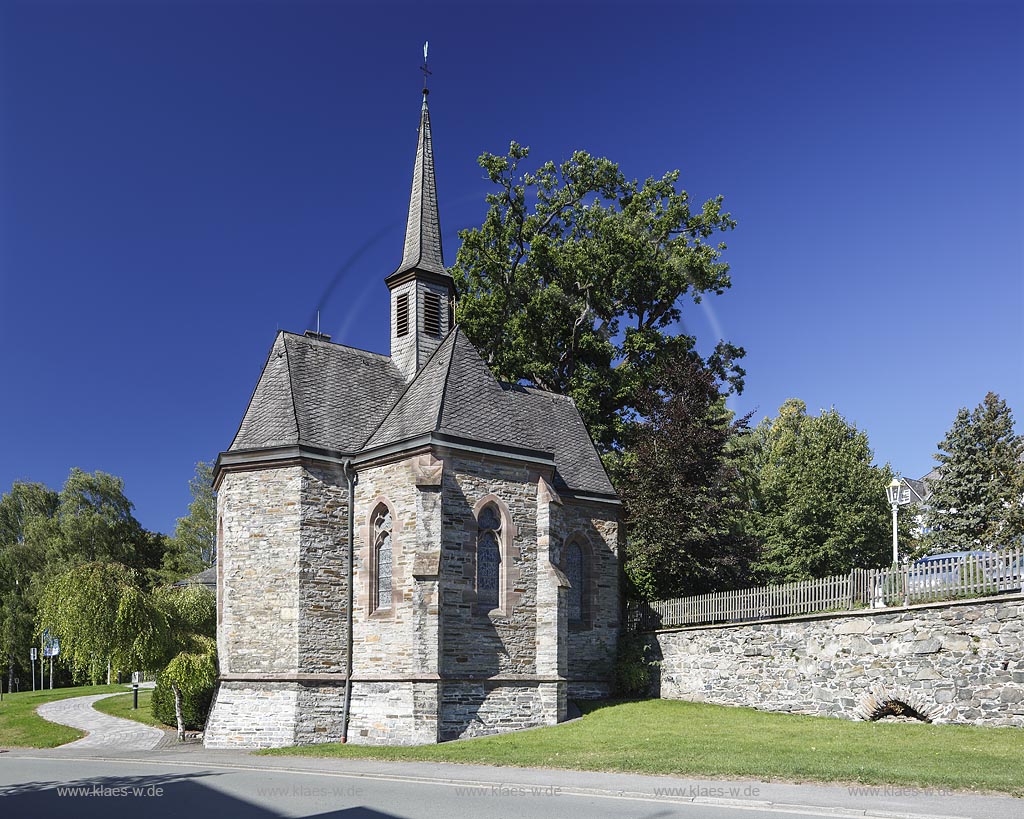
[{"x": 976, "y": 503}]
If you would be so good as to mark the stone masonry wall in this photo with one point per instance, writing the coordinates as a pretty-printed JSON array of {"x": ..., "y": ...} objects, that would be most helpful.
[
  {"x": 386, "y": 642},
  {"x": 260, "y": 515},
  {"x": 473, "y": 709},
  {"x": 478, "y": 643},
  {"x": 592, "y": 644},
  {"x": 960, "y": 662},
  {"x": 248, "y": 715},
  {"x": 323, "y": 571}
]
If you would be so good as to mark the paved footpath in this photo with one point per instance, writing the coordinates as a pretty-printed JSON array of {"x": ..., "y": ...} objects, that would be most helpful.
[{"x": 105, "y": 733}]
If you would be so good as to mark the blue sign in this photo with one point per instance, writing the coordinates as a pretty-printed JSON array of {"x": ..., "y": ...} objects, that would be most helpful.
[{"x": 51, "y": 645}]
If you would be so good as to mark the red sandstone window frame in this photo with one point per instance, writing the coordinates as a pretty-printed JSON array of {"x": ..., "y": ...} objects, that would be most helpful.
[
  {"x": 588, "y": 588},
  {"x": 373, "y": 577},
  {"x": 508, "y": 572}
]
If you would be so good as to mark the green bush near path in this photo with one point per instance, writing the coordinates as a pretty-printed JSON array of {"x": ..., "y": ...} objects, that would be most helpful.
[
  {"x": 696, "y": 739},
  {"x": 121, "y": 706},
  {"x": 22, "y": 727}
]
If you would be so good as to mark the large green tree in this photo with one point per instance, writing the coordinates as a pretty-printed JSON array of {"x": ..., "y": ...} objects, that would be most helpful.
[
  {"x": 190, "y": 650},
  {"x": 977, "y": 501},
  {"x": 577, "y": 279},
  {"x": 26, "y": 527},
  {"x": 194, "y": 545},
  {"x": 819, "y": 503},
  {"x": 96, "y": 523},
  {"x": 681, "y": 488},
  {"x": 104, "y": 618}
]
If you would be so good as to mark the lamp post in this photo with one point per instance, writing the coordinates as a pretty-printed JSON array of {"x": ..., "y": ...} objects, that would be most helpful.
[{"x": 897, "y": 495}]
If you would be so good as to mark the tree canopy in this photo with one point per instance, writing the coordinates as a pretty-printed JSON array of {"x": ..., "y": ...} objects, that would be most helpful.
[
  {"x": 576, "y": 281},
  {"x": 680, "y": 484},
  {"x": 44, "y": 534},
  {"x": 977, "y": 501},
  {"x": 194, "y": 545},
  {"x": 101, "y": 614},
  {"x": 818, "y": 502}
]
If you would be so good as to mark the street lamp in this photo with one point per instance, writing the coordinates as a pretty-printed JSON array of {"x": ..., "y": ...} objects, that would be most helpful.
[{"x": 898, "y": 495}]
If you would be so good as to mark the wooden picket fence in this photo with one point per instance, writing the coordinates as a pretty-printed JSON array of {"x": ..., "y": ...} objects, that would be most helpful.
[{"x": 978, "y": 574}]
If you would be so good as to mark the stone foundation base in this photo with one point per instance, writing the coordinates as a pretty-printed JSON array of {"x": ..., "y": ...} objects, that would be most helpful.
[
  {"x": 252, "y": 715},
  {"x": 276, "y": 714},
  {"x": 589, "y": 690},
  {"x": 473, "y": 709}
]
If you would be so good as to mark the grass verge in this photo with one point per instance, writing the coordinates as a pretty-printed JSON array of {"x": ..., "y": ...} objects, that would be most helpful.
[
  {"x": 696, "y": 739},
  {"x": 22, "y": 727},
  {"x": 121, "y": 706}
]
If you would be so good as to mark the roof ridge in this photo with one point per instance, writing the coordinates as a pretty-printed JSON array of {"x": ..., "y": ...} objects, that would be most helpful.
[
  {"x": 291, "y": 389},
  {"x": 320, "y": 341},
  {"x": 447, "y": 375},
  {"x": 405, "y": 391},
  {"x": 252, "y": 395}
]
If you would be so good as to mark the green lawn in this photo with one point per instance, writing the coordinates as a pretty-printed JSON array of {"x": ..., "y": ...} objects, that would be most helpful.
[
  {"x": 21, "y": 727},
  {"x": 122, "y": 707},
  {"x": 693, "y": 739}
]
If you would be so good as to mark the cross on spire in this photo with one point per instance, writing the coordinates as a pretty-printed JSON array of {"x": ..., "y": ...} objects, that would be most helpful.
[
  {"x": 426, "y": 71},
  {"x": 422, "y": 249}
]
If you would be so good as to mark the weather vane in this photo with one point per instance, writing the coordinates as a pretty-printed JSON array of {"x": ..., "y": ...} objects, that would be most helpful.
[{"x": 426, "y": 71}]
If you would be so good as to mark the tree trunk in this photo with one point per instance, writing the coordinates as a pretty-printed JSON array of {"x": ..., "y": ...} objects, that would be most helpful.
[
  {"x": 10, "y": 673},
  {"x": 178, "y": 713}
]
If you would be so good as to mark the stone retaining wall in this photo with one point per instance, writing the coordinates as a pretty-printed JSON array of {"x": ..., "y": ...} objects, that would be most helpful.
[{"x": 959, "y": 662}]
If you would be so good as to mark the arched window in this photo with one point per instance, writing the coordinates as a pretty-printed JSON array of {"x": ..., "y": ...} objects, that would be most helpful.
[
  {"x": 572, "y": 564},
  {"x": 488, "y": 557},
  {"x": 382, "y": 558}
]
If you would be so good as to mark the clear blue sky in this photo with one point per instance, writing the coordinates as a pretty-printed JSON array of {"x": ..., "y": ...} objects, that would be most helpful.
[{"x": 178, "y": 180}]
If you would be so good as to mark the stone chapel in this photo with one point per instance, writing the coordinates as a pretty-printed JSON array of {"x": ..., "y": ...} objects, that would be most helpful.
[{"x": 409, "y": 551}]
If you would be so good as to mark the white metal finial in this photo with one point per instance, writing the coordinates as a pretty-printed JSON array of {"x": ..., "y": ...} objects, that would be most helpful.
[{"x": 425, "y": 45}]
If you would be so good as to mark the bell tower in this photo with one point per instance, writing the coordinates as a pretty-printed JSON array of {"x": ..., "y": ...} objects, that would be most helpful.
[{"x": 422, "y": 291}]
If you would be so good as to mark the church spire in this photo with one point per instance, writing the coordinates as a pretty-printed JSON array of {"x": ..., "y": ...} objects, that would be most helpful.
[
  {"x": 422, "y": 291},
  {"x": 423, "y": 228}
]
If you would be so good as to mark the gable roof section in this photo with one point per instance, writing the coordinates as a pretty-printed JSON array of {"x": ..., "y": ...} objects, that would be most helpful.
[
  {"x": 317, "y": 393},
  {"x": 417, "y": 411},
  {"x": 551, "y": 422},
  {"x": 269, "y": 419},
  {"x": 456, "y": 394}
]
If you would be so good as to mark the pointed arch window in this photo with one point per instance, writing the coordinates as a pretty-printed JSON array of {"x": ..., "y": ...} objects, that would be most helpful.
[
  {"x": 488, "y": 557},
  {"x": 383, "y": 527},
  {"x": 572, "y": 565}
]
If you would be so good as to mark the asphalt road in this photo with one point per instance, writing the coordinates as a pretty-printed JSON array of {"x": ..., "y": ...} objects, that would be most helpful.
[
  {"x": 196, "y": 783},
  {"x": 119, "y": 769}
]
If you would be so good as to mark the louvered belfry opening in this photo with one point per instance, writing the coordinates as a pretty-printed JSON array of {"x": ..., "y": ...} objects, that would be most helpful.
[
  {"x": 402, "y": 314},
  {"x": 432, "y": 314}
]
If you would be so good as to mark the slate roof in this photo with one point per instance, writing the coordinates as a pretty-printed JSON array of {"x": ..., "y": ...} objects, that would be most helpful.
[
  {"x": 334, "y": 397},
  {"x": 207, "y": 578},
  {"x": 423, "y": 228},
  {"x": 318, "y": 393}
]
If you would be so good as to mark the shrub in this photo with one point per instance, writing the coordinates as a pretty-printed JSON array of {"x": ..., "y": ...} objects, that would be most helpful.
[
  {"x": 633, "y": 668},
  {"x": 194, "y": 707}
]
